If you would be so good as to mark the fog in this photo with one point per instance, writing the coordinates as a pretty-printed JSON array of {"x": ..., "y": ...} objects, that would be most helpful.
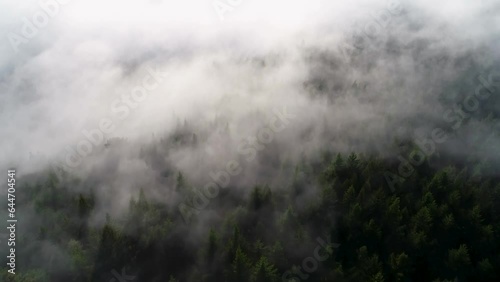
[
  {"x": 354, "y": 75},
  {"x": 125, "y": 95}
]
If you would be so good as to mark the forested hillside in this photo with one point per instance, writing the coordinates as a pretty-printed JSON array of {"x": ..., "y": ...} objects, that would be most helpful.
[
  {"x": 438, "y": 225},
  {"x": 250, "y": 141}
]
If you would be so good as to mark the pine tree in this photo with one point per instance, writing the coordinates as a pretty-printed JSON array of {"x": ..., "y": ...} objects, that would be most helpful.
[{"x": 264, "y": 271}]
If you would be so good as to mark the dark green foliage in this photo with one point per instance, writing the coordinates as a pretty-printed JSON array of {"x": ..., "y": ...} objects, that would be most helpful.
[{"x": 441, "y": 225}]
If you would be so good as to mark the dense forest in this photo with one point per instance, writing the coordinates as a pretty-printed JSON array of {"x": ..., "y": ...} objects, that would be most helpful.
[{"x": 439, "y": 224}]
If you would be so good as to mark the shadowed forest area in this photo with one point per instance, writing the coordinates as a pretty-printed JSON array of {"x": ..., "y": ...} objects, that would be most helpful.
[{"x": 438, "y": 225}]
